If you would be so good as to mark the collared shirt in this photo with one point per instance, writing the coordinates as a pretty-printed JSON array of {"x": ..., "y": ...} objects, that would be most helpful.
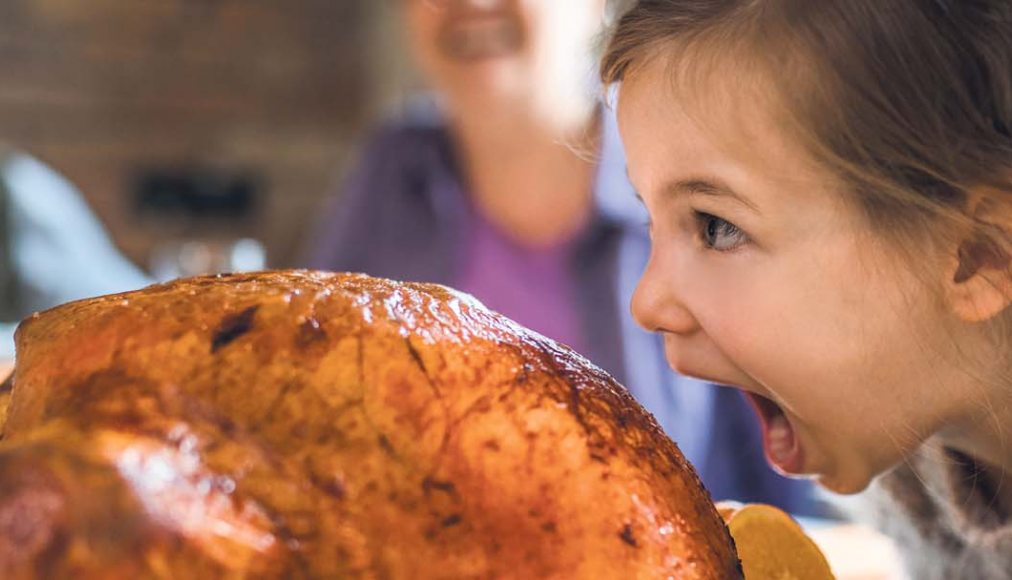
[{"x": 403, "y": 214}]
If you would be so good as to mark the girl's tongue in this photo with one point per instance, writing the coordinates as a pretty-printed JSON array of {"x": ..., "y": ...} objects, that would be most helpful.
[{"x": 783, "y": 447}]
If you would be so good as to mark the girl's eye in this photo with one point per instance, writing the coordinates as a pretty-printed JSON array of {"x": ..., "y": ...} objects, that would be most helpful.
[{"x": 718, "y": 234}]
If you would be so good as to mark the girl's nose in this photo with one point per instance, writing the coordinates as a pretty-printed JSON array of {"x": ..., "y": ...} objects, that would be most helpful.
[{"x": 656, "y": 305}]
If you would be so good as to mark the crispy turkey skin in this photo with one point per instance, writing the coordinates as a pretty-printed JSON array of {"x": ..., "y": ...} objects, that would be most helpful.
[{"x": 318, "y": 425}]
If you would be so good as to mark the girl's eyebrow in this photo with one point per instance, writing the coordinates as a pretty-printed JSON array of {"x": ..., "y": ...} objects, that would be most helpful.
[
  {"x": 700, "y": 186},
  {"x": 710, "y": 187}
]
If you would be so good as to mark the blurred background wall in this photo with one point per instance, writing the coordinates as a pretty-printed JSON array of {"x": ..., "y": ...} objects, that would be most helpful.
[{"x": 271, "y": 93}]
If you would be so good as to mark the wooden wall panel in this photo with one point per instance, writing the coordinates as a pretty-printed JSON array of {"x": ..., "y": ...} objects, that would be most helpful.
[{"x": 101, "y": 89}]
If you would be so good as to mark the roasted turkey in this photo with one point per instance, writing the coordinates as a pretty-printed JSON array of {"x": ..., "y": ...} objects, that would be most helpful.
[{"x": 315, "y": 425}]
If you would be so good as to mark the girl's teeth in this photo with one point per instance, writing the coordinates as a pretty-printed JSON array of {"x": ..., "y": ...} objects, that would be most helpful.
[{"x": 781, "y": 439}]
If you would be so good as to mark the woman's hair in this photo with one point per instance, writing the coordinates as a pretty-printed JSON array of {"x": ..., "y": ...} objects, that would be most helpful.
[{"x": 907, "y": 102}]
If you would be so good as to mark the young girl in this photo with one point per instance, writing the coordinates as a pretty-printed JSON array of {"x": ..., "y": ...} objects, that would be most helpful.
[{"x": 830, "y": 190}]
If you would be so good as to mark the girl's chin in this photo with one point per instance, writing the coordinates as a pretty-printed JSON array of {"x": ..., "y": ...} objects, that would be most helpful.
[
  {"x": 845, "y": 472},
  {"x": 843, "y": 485}
]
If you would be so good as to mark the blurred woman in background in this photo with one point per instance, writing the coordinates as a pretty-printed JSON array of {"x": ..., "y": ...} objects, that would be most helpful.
[{"x": 509, "y": 183}]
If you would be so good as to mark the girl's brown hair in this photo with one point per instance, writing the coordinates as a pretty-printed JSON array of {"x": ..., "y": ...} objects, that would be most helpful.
[{"x": 907, "y": 102}]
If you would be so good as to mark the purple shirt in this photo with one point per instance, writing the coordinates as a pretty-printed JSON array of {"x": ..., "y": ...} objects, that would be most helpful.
[{"x": 531, "y": 285}]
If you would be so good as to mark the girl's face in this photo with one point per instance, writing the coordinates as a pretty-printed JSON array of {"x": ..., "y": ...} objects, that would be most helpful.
[{"x": 763, "y": 277}]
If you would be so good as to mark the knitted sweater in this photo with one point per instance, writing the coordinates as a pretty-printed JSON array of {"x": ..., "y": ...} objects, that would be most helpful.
[{"x": 948, "y": 518}]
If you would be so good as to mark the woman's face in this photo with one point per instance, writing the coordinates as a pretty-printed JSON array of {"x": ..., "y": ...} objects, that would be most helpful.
[
  {"x": 762, "y": 277},
  {"x": 505, "y": 49}
]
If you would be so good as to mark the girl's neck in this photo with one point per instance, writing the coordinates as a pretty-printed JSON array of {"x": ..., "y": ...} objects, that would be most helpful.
[{"x": 978, "y": 373}]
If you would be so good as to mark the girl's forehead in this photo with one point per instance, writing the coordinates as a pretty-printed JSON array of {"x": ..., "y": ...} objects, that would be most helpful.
[{"x": 713, "y": 116}]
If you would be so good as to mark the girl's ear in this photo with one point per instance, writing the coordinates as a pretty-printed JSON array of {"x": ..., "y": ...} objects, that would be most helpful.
[{"x": 980, "y": 285}]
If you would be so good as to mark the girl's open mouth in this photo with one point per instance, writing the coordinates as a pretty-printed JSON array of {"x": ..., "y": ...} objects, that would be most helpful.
[{"x": 783, "y": 447}]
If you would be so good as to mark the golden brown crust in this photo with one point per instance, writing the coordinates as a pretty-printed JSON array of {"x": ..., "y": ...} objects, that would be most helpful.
[{"x": 371, "y": 428}]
